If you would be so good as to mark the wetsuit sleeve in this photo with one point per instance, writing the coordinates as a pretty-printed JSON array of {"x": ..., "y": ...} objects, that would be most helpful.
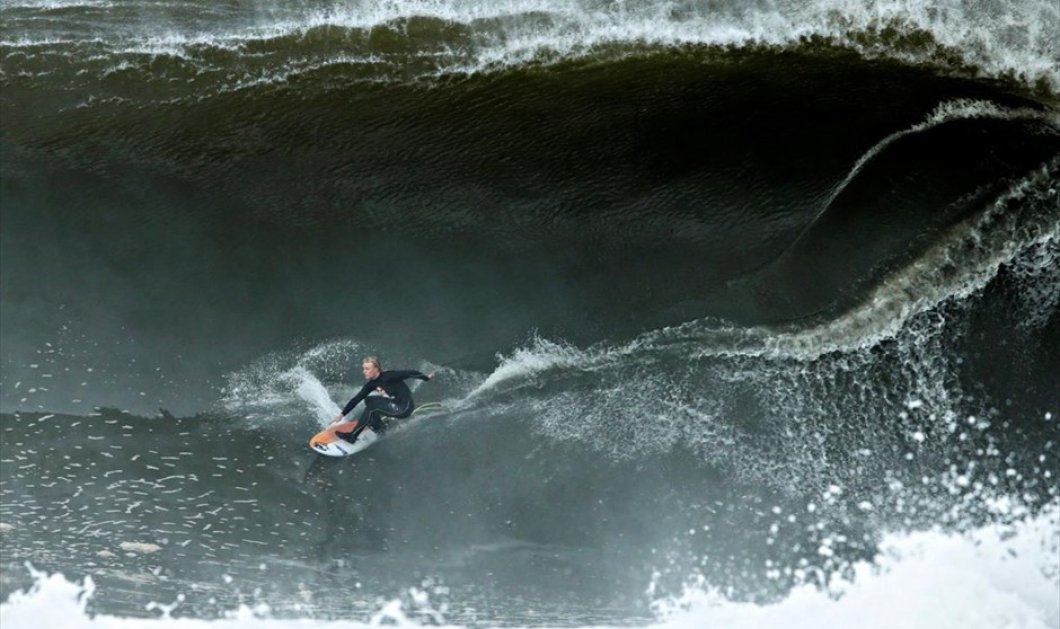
[
  {"x": 399, "y": 374},
  {"x": 363, "y": 393}
]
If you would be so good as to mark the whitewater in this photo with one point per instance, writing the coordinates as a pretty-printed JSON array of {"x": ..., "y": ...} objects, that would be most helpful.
[{"x": 996, "y": 576}]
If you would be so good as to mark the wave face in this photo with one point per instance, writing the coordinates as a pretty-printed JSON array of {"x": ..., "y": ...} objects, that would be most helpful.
[{"x": 729, "y": 305}]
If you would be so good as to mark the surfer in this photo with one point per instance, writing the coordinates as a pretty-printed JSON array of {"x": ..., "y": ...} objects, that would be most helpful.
[{"x": 392, "y": 398}]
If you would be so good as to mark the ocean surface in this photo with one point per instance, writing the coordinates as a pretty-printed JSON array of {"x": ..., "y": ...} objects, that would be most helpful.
[{"x": 743, "y": 314}]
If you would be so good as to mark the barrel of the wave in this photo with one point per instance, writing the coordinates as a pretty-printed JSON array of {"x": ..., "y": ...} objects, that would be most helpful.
[{"x": 329, "y": 443}]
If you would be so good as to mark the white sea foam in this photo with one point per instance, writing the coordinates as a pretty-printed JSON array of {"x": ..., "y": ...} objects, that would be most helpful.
[
  {"x": 1000, "y": 575},
  {"x": 526, "y": 361},
  {"x": 287, "y": 382},
  {"x": 997, "y": 576},
  {"x": 1017, "y": 38},
  {"x": 311, "y": 390}
]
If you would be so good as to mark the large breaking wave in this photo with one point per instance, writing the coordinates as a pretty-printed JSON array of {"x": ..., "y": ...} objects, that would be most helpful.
[{"x": 723, "y": 300}]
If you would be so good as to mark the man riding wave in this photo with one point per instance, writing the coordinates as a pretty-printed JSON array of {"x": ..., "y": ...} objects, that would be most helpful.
[{"x": 385, "y": 394}]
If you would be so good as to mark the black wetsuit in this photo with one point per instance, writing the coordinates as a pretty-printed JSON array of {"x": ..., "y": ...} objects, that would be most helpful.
[{"x": 397, "y": 401}]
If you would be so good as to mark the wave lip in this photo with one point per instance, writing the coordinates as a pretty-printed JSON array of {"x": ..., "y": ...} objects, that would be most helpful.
[{"x": 1012, "y": 40}]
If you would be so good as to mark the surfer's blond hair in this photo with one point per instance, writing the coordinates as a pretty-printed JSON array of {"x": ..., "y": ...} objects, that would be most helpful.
[{"x": 373, "y": 360}]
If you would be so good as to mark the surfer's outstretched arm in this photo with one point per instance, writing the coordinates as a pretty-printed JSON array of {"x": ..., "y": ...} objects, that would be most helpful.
[{"x": 404, "y": 374}]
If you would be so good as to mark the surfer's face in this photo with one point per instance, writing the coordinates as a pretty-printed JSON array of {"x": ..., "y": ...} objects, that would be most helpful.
[{"x": 370, "y": 371}]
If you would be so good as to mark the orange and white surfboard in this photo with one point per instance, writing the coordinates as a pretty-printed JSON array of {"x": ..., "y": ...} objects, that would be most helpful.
[{"x": 326, "y": 442}]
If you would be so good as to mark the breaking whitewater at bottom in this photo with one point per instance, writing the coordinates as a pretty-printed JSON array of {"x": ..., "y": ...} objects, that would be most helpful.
[{"x": 1000, "y": 575}]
